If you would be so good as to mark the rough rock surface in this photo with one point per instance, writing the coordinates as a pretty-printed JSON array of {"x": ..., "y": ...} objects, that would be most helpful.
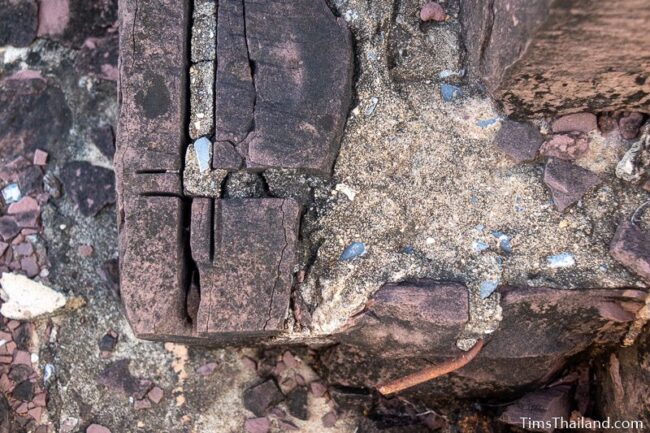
[
  {"x": 244, "y": 250},
  {"x": 568, "y": 182},
  {"x": 283, "y": 85},
  {"x": 543, "y": 56},
  {"x": 417, "y": 182},
  {"x": 35, "y": 114},
  {"x": 541, "y": 329},
  {"x": 18, "y": 22},
  {"x": 631, "y": 247},
  {"x": 520, "y": 141}
]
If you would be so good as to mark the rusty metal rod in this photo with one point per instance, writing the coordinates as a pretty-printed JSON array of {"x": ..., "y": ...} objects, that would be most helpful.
[{"x": 429, "y": 373}]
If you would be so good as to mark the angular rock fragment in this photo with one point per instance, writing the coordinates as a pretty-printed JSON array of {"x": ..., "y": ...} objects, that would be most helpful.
[
  {"x": 257, "y": 425},
  {"x": 245, "y": 253},
  {"x": 520, "y": 141},
  {"x": 546, "y": 406},
  {"x": 34, "y": 115},
  {"x": 25, "y": 299},
  {"x": 631, "y": 248},
  {"x": 565, "y": 146},
  {"x": 577, "y": 122},
  {"x": 297, "y": 403},
  {"x": 568, "y": 182},
  {"x": 629, "y": 124},
  {"x": 260, "y": 398},
  {"x": 90, "y": 187}
]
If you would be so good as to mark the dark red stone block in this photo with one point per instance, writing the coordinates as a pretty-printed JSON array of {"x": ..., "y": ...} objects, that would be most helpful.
[
  {"x": 153, "y": 267},
  {"x": 246, "y": 281},
  {"x": 289, "y": 110},
  {"x": 148, "y": 159},
  {"x": 631, "y": 248},
  {"x": 214, "y": 270},
  {"x": 234, "y": 89}
]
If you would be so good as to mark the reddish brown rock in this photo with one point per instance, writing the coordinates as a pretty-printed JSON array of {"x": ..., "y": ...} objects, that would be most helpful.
[
  {"x": 432, "y": 11},
  {"x": 8, "y": 228},
  {"x": 629, "y": 124},
  {"x": 156, "y": 395},
  {"x": 246, "y": 282},
  {"x": 298, "y": 95},
  {"x": 40, "y": 157},
  {"x": 631, "y": 248},
  {"x": 153, "y": 267},
  {"x": 260, "y": 398},
  {"x": 257, "y": 425},
  {"x": 564, "y": 146},
  {"x": 104, "y": 139},
  {"x": 520, "y": 141},
  {"x": 622, "y": 382},
  {"x": 96, "y": 428},
  {"x": 91, "y": 187},
  {"x": 225, "y": 156},
  {"x": 568, "y": 182},
  {"x": 538, "y": 56},
  {"x": 18, "y": 22},
  {"x": 577, "y": 122},
  {"x": 402, "y": 318},
  {"x": 547, "y": 406},
  {"x": 607, "y": 122}
]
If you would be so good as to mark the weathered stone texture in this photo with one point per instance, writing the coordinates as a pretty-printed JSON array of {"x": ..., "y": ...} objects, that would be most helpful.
[
  {"x": 18, "y": 22},
  {"x": 150, "y": 141},
  {"x": 201, "y": 99},
  {"x": 568, "y": 182},
  {"x": 631, "y": 248},
  {"x": 284, "y": 74},
  {"x": 519, "y": 140},
  {"x": 152, "y": 267},
  {"x": 560, "y": 56},
  {"x": 35, "y": 114},
  {"x": 245, "y": 274},
  {"x": 541, "y": 329},
  {"x": 423, "y": 315}
]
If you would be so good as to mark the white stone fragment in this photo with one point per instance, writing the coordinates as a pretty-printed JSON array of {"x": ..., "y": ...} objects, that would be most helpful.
[
  {"x": 11, "y": 193},
  {"x": 25, "y": 299},
  {"x": 346, "y": 190}
]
